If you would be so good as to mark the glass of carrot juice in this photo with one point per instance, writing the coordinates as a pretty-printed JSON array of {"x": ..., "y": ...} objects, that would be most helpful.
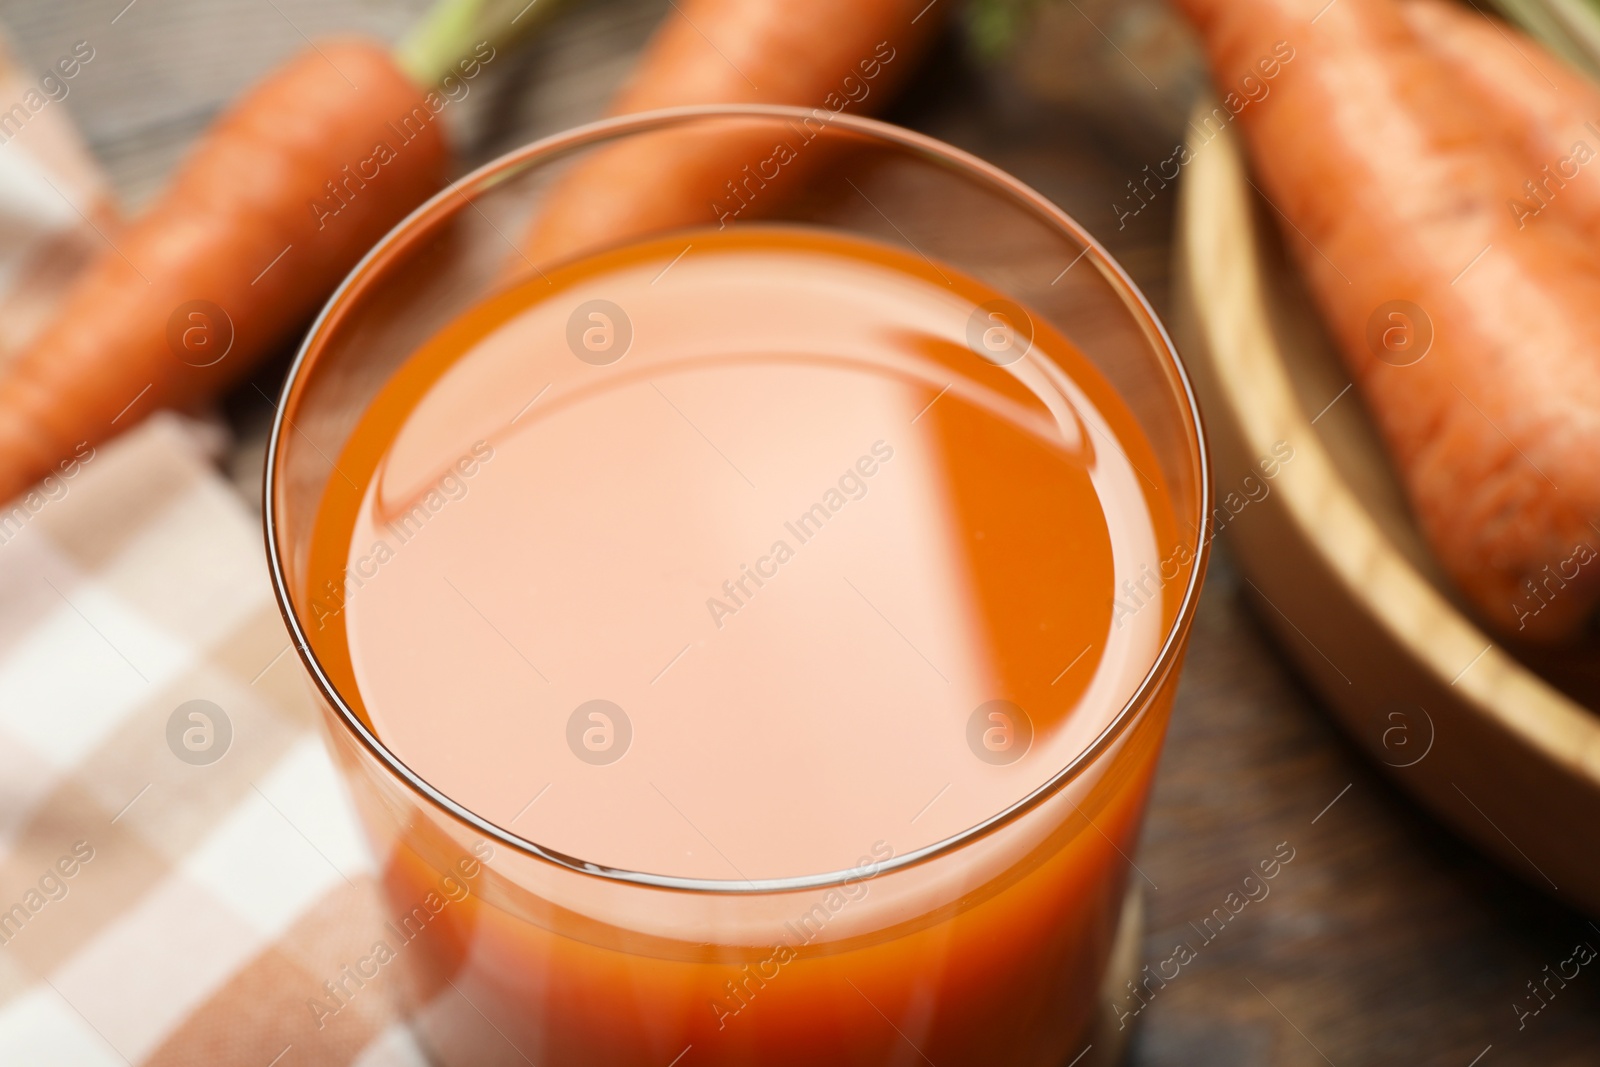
[{"x": 744, "y": 557}]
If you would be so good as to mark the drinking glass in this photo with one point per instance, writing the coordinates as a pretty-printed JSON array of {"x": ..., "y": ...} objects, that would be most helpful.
[{"x": 988, "y": 947}]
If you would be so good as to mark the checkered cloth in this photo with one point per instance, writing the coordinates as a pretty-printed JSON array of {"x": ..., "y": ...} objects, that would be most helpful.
[{"x": 168, "y": 894}]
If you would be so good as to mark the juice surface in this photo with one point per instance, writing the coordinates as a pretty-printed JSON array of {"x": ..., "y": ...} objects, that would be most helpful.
[{"x": 742, "y": 554}]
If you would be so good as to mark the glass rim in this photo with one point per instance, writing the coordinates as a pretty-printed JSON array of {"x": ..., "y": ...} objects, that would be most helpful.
[{"x": 614, "y": 128}]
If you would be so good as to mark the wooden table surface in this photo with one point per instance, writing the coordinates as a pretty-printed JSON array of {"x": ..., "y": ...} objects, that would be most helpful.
[{"x": 1385, "y": 940}]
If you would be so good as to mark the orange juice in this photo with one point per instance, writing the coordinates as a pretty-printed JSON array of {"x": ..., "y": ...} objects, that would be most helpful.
[{"x": 742, "y": 559}]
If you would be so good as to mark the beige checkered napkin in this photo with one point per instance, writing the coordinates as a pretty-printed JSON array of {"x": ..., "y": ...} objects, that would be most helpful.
[{"x": 177, "y": 880}]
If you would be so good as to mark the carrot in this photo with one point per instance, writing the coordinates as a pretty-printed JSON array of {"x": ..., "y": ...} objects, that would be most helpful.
[
  {"x": 278, "y": 201},
  {"x": 832, "y": 55},
  {"x": 1557, "y": 109},
  {"x": 1397, "y": 179}
]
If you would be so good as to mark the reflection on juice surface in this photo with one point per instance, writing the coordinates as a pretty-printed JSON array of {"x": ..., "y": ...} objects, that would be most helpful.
[{"x": 751, "y": 555}]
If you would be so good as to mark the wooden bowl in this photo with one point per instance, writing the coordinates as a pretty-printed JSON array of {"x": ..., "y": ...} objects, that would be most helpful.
[{"x": 1339, "y": 571}]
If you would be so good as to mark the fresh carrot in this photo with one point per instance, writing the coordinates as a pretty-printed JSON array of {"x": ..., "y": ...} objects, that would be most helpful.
[
  {"x": 278, "y": 201},
  {"x": 832, "y": 55},
  {"x": 1396, "y": 181},
  {"x": 1557, "y": 109}
]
